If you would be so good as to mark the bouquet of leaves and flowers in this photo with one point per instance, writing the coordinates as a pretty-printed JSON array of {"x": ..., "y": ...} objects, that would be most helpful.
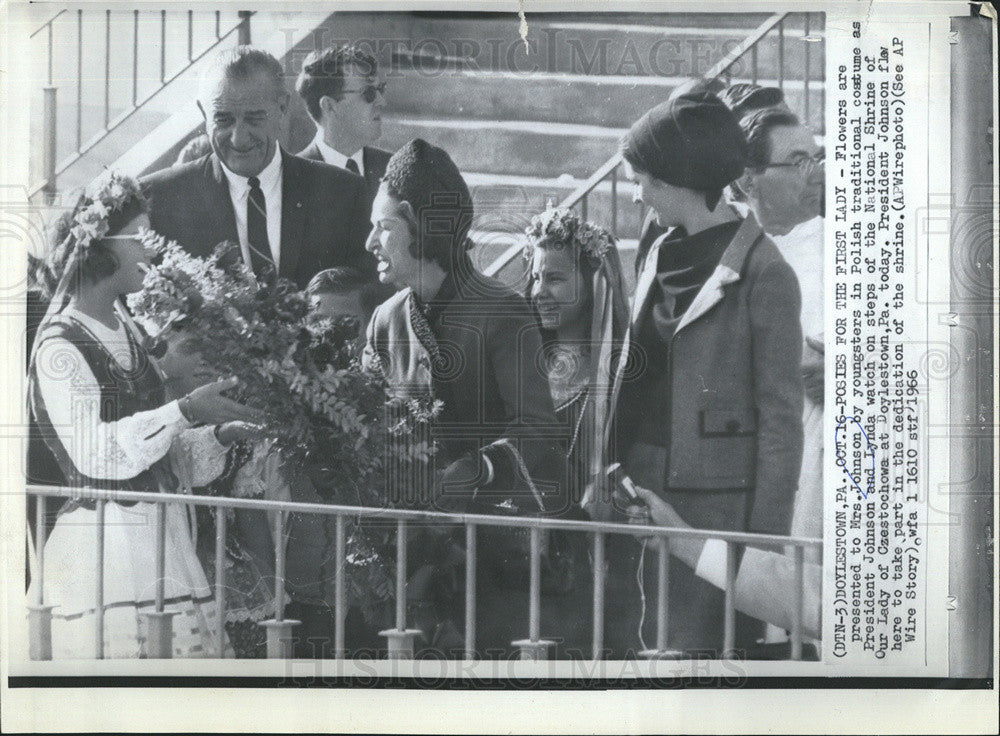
[{"x": 327, "y": 416}]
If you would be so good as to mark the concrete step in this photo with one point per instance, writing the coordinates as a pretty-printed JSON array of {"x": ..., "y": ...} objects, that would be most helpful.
[
  {"x": 506, "y": 203},
  {"x": 607, "y": 101},
  {"x": 490, "y": 246},
  {"x": 600, "y": 48},
  {"x": 536, "y": 148}
]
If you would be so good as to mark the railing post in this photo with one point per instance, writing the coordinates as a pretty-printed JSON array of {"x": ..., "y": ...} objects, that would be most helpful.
[
  {"x": 614, "y": 201},
  {"x": 534, "y": 647},
  {"x": 797, "y": 604},
  {"x": 807, "y": 71},
  {"x": 400, "y": 639},
  {"x": 470, "y": 591},
  {"x": 597, "y": 644},
  {"x": 49, "y": 151},
  {"x": 99, "y": 583},
  {"x": 160, "y": 639},
  {"x": 220, "y": 576},
  {"x": 279, "y": 629},
  {"x": 340, "y": 543},
  {"x": 79, "y": 79},
  {"x": 107, "y": 69},
  {"x": 662, "y": 604},
  {"x": 40, "y": 615},
  {"x": 729, "y": 620},
  {"x": 244, "y": 31}
]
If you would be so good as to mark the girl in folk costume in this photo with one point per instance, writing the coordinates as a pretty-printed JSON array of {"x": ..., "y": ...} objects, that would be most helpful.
[
  {"x": 100, "y": 402},
  {"x": 578, "y": 293}
]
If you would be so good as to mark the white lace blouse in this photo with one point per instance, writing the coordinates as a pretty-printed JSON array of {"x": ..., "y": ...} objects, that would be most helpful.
[{"x": 124, "y": 448}]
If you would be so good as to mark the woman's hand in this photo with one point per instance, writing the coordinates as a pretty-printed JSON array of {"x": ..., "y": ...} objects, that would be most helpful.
[
  {"x": 661, "y": 512},
  {"x": 207, "y": 405},
  {"x": 231, "y": 432}
]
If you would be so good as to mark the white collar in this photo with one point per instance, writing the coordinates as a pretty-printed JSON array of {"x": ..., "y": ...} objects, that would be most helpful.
[
  {"x": 269, "y": 178},
  {"x": 335, "y": 157}
]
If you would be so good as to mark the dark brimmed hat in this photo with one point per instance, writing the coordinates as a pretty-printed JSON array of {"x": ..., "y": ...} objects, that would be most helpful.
[{"x": 692, "y": 141}]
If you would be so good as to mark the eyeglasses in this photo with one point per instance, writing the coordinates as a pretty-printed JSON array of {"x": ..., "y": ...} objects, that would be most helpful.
[
  {"x": 805, "y": 164},
  {"x": 370, "y": 92}
]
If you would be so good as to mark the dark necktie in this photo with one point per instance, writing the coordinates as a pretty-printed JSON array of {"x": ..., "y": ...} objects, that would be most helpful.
[
  {"x": 352, "y": 166},
  {"x": 260, "y": 247}
]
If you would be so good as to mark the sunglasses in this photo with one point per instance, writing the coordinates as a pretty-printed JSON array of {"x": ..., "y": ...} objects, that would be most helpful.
[{"x": 370, "y": 92}]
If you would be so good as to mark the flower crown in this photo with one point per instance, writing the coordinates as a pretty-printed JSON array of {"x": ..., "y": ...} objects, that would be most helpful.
[
  {"x": 106, "y": 194},
  {"x": 559, "y": 225}
]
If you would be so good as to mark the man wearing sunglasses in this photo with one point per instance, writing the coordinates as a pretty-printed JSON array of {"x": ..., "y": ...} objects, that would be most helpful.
[{"x": 342, "y": 92}]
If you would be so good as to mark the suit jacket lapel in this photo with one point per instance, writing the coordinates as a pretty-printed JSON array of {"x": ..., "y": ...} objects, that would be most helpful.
[
  {"x": 293, "y": 214},
  {"x": 219, "y": 204}
]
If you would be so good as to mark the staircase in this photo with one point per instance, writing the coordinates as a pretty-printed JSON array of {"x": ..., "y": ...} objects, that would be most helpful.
[{"x": 527, "y": 126}]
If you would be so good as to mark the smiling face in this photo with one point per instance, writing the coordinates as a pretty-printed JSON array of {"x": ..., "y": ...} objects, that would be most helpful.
[
  {"x": 559, "y": 291},
  {"x": 390, "y": 241},
  {"x": 243, "y": 119},
  {"x": 353, "y": 120},
  {"x": 783, "y": 196},
  {"x": 131, "y": 256}
]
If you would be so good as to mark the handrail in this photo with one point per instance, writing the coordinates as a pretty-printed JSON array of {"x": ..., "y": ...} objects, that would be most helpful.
[
  {"x": 51, "y": 167},
  {"x": 46, "y": 24},
  {"x": 580, "y": 194},
  {"x": 747, "y": 538},
  {"x": 400, "y": 639}
]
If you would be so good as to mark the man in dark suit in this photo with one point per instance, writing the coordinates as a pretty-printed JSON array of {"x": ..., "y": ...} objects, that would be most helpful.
[
  {"x": 297, "y": 216},
  {"x": 342, "y": 92}
]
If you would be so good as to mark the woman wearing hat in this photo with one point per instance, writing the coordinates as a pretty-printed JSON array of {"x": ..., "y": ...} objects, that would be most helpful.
[{"x": 711, "y": 422}]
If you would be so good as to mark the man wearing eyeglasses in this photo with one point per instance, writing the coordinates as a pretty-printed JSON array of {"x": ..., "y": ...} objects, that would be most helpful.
[
  {"x": 783, "y": 181},
  {"x": 784, "y": 185},
  {"x": 342, "y": 92}
]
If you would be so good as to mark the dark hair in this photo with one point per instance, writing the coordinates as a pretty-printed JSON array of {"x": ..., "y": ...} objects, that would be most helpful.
[
  {"x": 743, "y": 98},
  {"x": 242, "y": 62},
  {"x": 757, "y": 127},
  {"x": 98, "y": 261},
  {"x": 344, "y": 280},
  {"x": 323, "y": 73},
  {"x": 426, "y": 177}
]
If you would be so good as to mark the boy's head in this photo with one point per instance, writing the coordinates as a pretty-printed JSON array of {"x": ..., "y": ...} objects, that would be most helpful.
[{"x": 341, "y": 292}]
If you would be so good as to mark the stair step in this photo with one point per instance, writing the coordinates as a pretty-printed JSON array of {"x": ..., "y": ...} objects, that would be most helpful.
[
  {"x": 608, "y": 49},
  {"x": 489, "y": 246},
  {"x": 538, "y": 148},
  {"x": 609, "y": 101}
]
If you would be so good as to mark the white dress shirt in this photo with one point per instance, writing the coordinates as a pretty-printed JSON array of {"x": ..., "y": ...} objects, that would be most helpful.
[
  {"x": 335, "y": 158},
  {"x": 239, "y": 192}
]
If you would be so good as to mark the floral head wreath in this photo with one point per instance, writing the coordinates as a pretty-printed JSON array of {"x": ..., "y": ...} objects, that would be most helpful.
[
  {"x": 558, "y": 225},
  {"x": 107, "y": 194}
]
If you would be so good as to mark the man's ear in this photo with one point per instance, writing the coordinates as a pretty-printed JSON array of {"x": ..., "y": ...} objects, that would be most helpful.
[{"x": 283, "y": 101}]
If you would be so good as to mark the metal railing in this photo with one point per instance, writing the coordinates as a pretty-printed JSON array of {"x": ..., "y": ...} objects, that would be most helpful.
[
  {"x": 119, "y": 82},
  {"x": 722, "y": 70},
  {"x": 400, "y": 639}
]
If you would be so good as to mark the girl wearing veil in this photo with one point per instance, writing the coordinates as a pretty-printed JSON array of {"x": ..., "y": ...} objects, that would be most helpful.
[
  {"x": 577, "y": 290},
  {"x": 99, "y": 401}
]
